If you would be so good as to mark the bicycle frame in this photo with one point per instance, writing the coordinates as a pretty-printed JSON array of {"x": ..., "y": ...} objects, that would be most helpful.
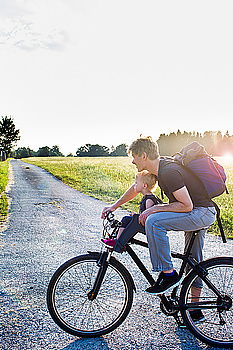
[
  {"x": 103, "y": 265},
  {"x": 171, "y": 303},
  {"x": 168, "y": 301}
]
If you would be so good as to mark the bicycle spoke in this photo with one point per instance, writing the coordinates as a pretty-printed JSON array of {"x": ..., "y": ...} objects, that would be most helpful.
[
  {"x": 104, "y": 306},
  {"x": 230, "y": 281},
  {"x": 74, "y": 276},
  {"x": 100, "y": 311},
  {"x": 84, "y": 274},
  {"x": 96, "y": 319}
]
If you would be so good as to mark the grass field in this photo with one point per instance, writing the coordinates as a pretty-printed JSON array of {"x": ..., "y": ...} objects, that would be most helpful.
[
  {"x": 3, "y": 183},
  {"x": 107, "y": 178}
]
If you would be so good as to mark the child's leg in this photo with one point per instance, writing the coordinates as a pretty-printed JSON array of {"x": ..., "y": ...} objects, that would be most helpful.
[
  {"x": 111, "y": 241},
  {"x": 124, "y": 222},
  {"x": 132, "y": 228},
  {"x": 121, "y": 229}
]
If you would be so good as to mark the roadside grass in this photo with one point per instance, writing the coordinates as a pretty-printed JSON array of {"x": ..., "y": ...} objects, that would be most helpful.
[
  {"x": 107, "y": 178},
  {"x": 225, "y": 201},
  {"x": 3, "y": 197}
]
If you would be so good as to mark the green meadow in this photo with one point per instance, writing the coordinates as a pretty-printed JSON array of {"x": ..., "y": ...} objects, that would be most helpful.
[
  {"x": 107, "y": 178},
  {"x": 3, "y": 183}
]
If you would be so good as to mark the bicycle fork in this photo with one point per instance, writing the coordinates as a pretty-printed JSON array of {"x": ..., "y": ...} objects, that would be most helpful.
[{"x": 103, "y": 265}]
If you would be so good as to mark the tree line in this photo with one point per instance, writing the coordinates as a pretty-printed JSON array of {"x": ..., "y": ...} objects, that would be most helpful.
[
  {"x": 216, "y": 144},
  {"x": 87, "y": 150},
  {"x": 45, "y": 151}
]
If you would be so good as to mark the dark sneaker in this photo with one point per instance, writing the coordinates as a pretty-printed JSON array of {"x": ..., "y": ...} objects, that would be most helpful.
[
  {"x": 197, "y": 315},
  {"x": 164, "y": 283}
]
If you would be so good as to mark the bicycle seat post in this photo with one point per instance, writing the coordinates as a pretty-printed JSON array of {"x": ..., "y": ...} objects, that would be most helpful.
[
  {"x": 190, "y": 245},
  {"x": 186, "y": 255}
]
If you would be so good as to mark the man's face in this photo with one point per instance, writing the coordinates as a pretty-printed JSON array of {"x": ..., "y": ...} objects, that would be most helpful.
[{"x": 139, "y": 161}]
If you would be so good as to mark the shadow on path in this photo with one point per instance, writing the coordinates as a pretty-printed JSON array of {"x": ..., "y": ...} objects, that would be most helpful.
[
  {"x": 188, "y": 341},
  {"x": 88, "y": 344}
]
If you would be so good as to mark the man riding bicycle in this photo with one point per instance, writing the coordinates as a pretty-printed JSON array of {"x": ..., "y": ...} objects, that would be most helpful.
[{"x": 188, "y": 210}]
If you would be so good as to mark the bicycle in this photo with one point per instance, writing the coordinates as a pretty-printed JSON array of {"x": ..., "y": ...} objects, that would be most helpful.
[{"x": 92, "y": 294}]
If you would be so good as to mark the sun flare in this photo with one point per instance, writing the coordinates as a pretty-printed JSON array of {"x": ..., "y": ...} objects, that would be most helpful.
[{"x": 228, "y": 156}]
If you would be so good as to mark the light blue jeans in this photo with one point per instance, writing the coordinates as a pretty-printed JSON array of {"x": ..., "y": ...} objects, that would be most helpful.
[{"x": 158, "y": 224}]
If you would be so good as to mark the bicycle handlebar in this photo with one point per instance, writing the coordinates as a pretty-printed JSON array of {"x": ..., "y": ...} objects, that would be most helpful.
[{"x": 109, "y": 216}]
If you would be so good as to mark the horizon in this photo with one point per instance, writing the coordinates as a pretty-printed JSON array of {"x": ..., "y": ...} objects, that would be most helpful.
[{"x": 226, "y": 151}]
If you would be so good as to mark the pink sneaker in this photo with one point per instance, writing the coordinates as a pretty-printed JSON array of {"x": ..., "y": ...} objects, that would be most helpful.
[{"x": 109, "y": 242}]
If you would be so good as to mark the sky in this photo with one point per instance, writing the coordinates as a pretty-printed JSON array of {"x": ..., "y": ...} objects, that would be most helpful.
[{"x": 101, "y": 71}]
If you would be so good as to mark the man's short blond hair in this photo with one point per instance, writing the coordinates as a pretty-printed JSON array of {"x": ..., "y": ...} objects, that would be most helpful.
[
  {"x": 147, "y": 178},
  {"x": 147, "y": 145}
]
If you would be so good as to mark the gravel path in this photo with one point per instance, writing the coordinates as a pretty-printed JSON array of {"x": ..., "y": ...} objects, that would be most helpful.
[{"x": 49, "y": 223}]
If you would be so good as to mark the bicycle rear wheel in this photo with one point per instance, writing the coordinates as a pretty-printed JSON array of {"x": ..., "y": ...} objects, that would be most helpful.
[
  {"x": 72, "y": 309},
  {"x": 216, "y": 328}
]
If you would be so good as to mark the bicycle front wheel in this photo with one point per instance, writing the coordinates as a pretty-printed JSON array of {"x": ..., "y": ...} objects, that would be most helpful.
[
  {"x": 215, "y": 328},
  {"x": 72, "y": 309}
]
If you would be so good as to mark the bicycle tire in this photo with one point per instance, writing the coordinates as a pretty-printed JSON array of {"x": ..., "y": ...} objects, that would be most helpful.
[
  {"x": 210, "y": 330},
  {"x": 70, "y": 307}
]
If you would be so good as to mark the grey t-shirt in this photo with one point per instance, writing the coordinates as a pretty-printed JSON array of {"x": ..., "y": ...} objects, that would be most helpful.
[{"x": 172, "y": 177}]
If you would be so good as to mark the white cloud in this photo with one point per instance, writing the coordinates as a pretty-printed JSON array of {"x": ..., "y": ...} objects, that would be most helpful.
[
  {"x": 31, "y": 25},
  {"x": 13, "y": 8}
]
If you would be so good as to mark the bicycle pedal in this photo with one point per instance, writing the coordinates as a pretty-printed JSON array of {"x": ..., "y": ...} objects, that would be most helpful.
[{"x": 179, "y": 321}]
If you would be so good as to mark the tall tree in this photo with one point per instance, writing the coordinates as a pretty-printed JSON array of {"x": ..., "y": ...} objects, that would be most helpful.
[
  {"x": 43, "y": 152},
  {"x": 23, "y": 152},
  {"x": 120, "y": 150},
  {"x": 83, "y": 150},
  {"x": 55, "y": 152},
  {"x": 89, "y": 150},
  {"x": 9, "y": 135}
]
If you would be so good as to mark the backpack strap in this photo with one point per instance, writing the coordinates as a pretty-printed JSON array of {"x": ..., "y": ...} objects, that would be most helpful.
[
  {"x": 220, "y": 222},
  {"x": 162, "y": 193}
]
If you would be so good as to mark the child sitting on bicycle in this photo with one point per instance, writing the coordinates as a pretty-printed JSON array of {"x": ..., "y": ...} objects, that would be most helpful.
[{"x": 144, "y": 184}]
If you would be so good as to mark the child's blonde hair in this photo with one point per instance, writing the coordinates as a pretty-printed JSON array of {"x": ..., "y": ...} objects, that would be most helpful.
[{"x": 147, "y": 178}]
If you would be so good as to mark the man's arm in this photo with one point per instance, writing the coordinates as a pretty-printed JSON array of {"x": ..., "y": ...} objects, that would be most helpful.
[
  {"x": 126, "y": 197},
  {"x": 182, "y": 205}
]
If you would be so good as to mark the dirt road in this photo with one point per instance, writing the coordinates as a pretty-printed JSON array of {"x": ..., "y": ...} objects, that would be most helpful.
[{"x": 49, "y": 223}]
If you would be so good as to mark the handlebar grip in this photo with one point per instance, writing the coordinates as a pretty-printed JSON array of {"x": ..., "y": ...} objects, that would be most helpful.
[{"x": 110, "y": 216}]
